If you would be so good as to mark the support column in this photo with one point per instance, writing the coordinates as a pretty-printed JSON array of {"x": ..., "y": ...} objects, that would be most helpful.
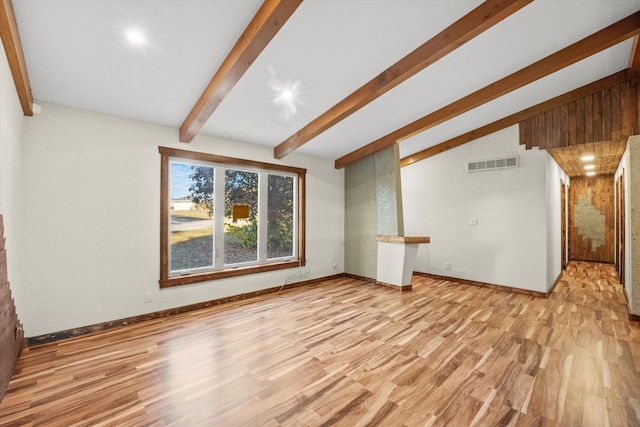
[
  {"x": 389, "y": 192},
  {"x": 396, "y": 253}
]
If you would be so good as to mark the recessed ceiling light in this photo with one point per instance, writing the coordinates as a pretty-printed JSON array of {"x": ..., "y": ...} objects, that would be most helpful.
[
  {"x": 589, "y": 167},
  {"x": 587, "y": 157},
  {"x": 135, "y": 36},
  {"x": 591, "y": 173}
]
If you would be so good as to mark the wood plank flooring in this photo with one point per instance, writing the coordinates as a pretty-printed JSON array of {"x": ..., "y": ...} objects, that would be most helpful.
[{"x": 349, "y": 353}]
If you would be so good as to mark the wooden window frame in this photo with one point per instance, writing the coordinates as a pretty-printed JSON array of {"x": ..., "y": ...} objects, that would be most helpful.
[{"x": 166, "y": 280}]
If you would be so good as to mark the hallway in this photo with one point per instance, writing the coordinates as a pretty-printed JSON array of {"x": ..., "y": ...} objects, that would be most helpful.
[{"x": 592, "y": 352}]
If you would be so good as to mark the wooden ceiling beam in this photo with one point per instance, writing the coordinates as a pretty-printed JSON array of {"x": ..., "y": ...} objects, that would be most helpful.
[
  {"x": 483, "y": 17},
  {"x": 15, "y": 56},
  {"x": 597, "y": 42},
  {"x": 513, "y": 119},
  {"x": 634, "y": 59},
  {"x": 271, "y": 16}
]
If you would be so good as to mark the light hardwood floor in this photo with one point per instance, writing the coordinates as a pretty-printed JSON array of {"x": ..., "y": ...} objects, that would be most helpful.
[{"x": 353, "y": 354}]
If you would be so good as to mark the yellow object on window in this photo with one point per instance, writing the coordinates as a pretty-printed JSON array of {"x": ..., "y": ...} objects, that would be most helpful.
[{"x": 240, "y": 212}]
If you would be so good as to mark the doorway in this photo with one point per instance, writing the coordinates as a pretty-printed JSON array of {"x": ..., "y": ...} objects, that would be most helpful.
[
  {"x": 620, "y": 226},
  {"x": 563, "y": 223}
]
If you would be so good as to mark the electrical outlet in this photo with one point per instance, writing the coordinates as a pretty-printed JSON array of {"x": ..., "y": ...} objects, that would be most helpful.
[
  {"x": 148, "y": 296},
  {"x": 447, "y": 266},
  {"x": 334, "y": 265}
]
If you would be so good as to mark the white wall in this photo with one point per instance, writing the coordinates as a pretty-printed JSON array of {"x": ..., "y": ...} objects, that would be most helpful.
[
  {"x": 509, "y": 245},
  {"x": 11, "y": 181},
  {"x": 94, "y": 262},
  {"x": 555, "y": 175}
]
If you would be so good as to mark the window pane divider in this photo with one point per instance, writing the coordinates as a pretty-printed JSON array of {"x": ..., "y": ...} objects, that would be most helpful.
[
  {"x": 218, "y": 219},
  {"x": 263, "y": 208}
]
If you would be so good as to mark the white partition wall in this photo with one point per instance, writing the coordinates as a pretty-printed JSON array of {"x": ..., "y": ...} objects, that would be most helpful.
[{"x": 497, "y": 226}]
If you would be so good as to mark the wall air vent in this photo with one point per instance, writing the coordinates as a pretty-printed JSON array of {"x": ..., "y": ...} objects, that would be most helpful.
[{"x": 492, "y": 164}]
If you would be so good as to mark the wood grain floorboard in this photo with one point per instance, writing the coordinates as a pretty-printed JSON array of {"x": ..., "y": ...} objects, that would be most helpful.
[{"x": 348, "y": 353}]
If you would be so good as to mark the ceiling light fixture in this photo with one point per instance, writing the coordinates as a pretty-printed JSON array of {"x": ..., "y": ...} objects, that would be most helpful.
[
  {"x": 589, "y": 167},
  {"x": 286, "y": 95},
  {"x": 587, "y": 157},
  {"x": 590, "y": 173},
  {"x": 287, "y": 98},
  {"x": 135, "y": 36}
]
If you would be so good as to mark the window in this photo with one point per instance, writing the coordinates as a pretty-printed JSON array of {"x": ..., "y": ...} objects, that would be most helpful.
[{"x": 223, "y": 217}]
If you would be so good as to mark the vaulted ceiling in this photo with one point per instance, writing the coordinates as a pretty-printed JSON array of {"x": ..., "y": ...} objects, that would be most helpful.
[{"x": 338, "y": 79}]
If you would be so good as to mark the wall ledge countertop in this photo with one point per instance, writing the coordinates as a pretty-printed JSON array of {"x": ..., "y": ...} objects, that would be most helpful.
[{"x": 390, "y": 238}]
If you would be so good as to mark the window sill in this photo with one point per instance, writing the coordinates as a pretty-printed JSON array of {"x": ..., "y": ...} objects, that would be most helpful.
[{"x": 223, "y": 274}]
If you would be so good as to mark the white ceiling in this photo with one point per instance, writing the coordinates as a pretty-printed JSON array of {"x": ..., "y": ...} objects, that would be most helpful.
[{"x": 77, "y": 56}]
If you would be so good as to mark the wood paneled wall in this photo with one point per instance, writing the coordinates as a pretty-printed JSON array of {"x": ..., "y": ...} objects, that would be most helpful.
[
  {"x": 11, "y": 334},
  {"x": 608, "y": 115},
  {"x": 581, "y": 247}
]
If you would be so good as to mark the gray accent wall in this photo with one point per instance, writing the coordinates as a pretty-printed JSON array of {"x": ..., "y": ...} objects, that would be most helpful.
[
  {"x": 360, "y": 246},
  {"x": 373, "y": 205}
]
